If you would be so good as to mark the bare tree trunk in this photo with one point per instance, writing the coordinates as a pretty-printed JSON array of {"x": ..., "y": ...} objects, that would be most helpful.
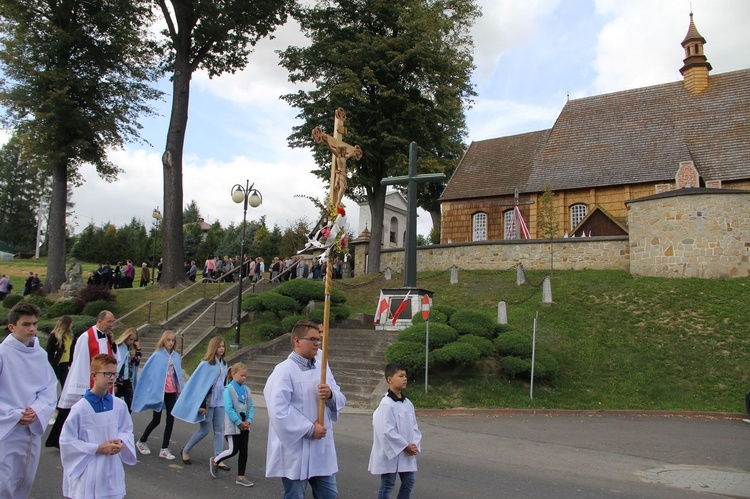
[
  {"x": 436, "y": 217},
  {"x": 56, "y": 229},
  {"x": 173, "y": 272},
  {"x": 376, "y": 201}
]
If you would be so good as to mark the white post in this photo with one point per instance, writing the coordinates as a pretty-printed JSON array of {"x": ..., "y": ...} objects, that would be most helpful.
[
  {"x": 546, "y": 291},
  {"x": 426, "y": 352},
  {"x": 502, "y": 313},
  {"x": 454, "y": 274},
  {"x": 533, "y": 355},
  {"x": 520, "y": 275}
]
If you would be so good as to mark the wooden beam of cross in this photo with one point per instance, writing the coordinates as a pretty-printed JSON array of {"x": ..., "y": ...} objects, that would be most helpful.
[
  {"x": 514, "y": 204},
  {"x": 340, "y": 152},
  {"x": 411, "y": 180}
]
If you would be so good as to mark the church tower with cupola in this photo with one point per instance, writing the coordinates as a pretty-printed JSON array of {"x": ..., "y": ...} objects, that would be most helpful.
[{"x": 695, "y": 65}]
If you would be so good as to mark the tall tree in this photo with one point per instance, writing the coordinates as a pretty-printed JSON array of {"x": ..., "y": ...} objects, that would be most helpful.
[
  {"x": 192, "y": 213},
  {"x": 402, "y": 71},
  {"x": 547, "y": 216},
  {"x": 77, "y": 76},
  {"x": 218, "y": 38},
  {"x": 21, "y": 189}
]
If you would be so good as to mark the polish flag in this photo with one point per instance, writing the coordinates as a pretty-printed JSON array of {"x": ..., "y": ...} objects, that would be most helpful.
[
  {"x": 382, "y": 307},
  {"x": 401, "y": 308}
]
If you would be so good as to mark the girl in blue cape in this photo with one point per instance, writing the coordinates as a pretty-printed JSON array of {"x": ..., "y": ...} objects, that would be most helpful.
[
  {"x": 202, "y": 400},
  {"x": 159, "y": 385}
]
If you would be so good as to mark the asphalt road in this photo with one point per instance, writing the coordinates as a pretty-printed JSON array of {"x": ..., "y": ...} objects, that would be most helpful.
[{"x": 527, "y": 456}]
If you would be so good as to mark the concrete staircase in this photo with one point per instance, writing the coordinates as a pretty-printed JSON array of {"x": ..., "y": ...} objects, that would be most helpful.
[
  {"x": 356, "y": 355},
  {"x": 198, "y": 320}
]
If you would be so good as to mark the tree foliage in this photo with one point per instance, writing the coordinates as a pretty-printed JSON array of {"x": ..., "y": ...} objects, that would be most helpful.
[
  {"x": 402, "y": 71},
  {"x": 77, "y": 77},
  {"x": 216, "y": 37},
  {"x": 21, "y": 190}
]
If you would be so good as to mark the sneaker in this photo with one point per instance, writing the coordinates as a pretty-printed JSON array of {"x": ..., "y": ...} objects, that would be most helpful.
[
  {"x": 142, "y": 448},
  {"x": 166, "y": 454},
  {"x": 213, "y": 468},
  {"x": 244, "y": 482}
]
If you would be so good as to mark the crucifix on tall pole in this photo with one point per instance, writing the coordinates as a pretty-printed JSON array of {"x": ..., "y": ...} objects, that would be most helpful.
[
  {"x": 411, "y": 180},
  {"x": 336, "y": 227}
]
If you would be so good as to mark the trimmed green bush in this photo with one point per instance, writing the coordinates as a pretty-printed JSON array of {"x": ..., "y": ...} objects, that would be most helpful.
[
  {"x": 340, "y": 313},
  {"x": 409, "y": 354},
  {"x": 88, "y": 294},
  {"x": 93, "y": 308},
  {"x": 316, "y": 315},
  {"x": 440, "y": 335},
  {"x": 4, "y": 316},
  {"x": 456, "y": 354},
  {"x": 11, "y": 300},
  {"x": 514, "y": 343},
  {"x": 473, "y": 322},
  {"x": 436, "y": 316},
  {"x": 288, "y": 322},
  {"x": 272, "y": 302},
  {"x": 270, "y": 331},
  {"x": 546, "y": 366},
  {"x": 40, "y": 301},
  {"x": 485, "y": 347},
  {"x": 304, "y": 290},
  {"x": 251, "y": 303},
  {"x": 62, "y": 307},
  {"x": 445, "y": 310},
  {"x": 501, "y": 328},
  {"x": 515, "y": 366}
]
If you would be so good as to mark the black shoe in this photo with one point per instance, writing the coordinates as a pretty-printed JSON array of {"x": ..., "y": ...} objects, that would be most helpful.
[
  {"x": 224, "y": 467},
  {"x": 186, "y": 461}
]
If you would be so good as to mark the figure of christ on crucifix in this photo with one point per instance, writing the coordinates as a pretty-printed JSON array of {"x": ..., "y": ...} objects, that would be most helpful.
[{"x": 340, "y": 151}]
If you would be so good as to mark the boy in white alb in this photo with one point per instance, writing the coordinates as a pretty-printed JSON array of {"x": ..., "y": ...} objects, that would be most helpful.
[
  {"x": 395, "y": 437},
  {"x": 28, "y": 391},
  {"x": 97, "y": 438}
]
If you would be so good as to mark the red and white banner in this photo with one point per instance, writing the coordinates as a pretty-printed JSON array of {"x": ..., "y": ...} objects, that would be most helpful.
[
  {"x": 401, "y": 308},
  {"x": 382, "y": 307}
]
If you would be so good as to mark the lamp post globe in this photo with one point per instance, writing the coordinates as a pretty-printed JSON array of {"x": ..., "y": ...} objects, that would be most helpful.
[{"x": 245, "y": 195}]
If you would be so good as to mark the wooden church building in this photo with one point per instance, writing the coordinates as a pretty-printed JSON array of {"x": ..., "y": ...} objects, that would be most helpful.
[{"x": 605, "y": 150}]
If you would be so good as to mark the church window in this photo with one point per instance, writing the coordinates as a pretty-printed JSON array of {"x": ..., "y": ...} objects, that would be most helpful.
[
  {"x": 509, "y": 228},
  {"x": 577, "y": 213},
  {"x": 394, "y": 231},
  {"x": 479, "y": 227}
]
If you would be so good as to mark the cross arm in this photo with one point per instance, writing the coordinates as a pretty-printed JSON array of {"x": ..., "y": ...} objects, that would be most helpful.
[{"x": 405, "y": 179}]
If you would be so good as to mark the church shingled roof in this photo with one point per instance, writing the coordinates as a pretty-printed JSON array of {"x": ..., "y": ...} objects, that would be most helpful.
[{"x": 619, "y": 138}]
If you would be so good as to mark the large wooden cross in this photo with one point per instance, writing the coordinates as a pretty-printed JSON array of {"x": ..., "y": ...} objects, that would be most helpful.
[
  {"x": 411, "y": 180},
  {"x": 515, "y": 203},
  {"x": 340, "y": 152}
]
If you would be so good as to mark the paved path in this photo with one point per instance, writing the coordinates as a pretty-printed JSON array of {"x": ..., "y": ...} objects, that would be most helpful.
[{"x": 477, "y": 456}]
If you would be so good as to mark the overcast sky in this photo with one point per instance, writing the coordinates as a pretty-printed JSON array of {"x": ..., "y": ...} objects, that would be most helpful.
[{"x": 530, "y": 56}]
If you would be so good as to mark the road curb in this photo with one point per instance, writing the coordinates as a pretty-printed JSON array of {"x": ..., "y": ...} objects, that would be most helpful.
[{"x": 573, "y": 412}]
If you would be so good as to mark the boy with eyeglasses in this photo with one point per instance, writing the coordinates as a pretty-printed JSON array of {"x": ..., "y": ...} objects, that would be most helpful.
[
  {"x": 97, "y": 438},
  {"x": 28, "y": 392},
  {"x": 301, "y": 449}
]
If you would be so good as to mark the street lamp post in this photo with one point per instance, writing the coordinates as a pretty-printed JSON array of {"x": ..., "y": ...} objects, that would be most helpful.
[
  {"x": 156, "y": 215},
  {"x": 245, "y": 195}
]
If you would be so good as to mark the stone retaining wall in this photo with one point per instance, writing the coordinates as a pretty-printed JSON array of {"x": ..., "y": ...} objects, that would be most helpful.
[
  {"x": 569, "y": 254},
  {"x": 691, "y": 233}
]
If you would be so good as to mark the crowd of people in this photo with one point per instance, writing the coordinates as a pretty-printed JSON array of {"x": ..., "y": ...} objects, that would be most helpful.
[
  {"x": 121, "y": 275},
  {"x": 102, "y": 382}
]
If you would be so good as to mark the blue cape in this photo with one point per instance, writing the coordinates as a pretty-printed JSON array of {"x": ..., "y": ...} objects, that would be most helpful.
[
  {"x": 195, "y": 392},
  {"x": 149, "y": 392}
]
